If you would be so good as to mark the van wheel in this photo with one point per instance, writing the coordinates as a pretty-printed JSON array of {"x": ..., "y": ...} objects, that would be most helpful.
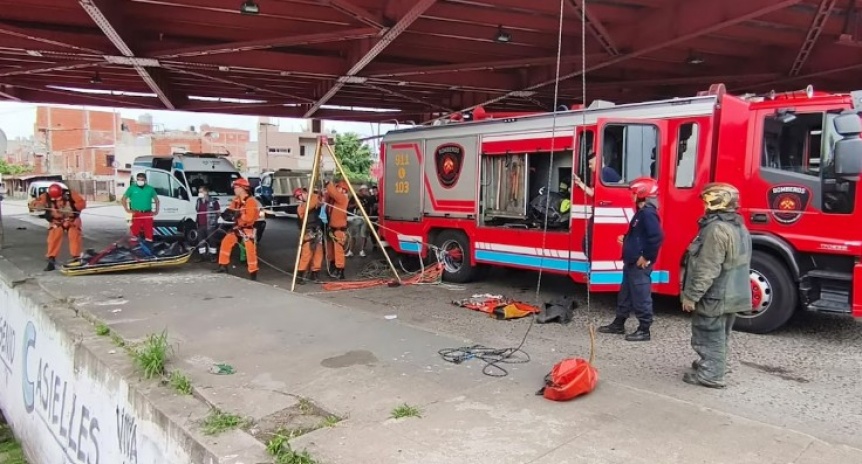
[
  {"x": 773, "y": 296},
  {"x": 456, "y": 259}
]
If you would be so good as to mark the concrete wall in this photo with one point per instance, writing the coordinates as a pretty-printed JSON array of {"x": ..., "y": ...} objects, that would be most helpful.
[{"x": 62, "y": 401}]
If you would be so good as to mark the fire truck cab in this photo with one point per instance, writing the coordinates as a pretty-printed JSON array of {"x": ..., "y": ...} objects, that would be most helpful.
[{"x": 470, "y": 189}]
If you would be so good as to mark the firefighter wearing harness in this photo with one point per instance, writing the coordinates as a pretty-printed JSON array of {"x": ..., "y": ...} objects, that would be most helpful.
[
  {"x": 311, "y": 253},
  {"x": 62, "y": 209},
  {"x": 641, "y": 245},
  {"x": 337, "y": 243},
  {"x": 716, "y": 283},
  {"x": 245, "y": 212}
]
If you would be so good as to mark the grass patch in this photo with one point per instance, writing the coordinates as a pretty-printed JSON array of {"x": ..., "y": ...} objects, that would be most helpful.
[
  {"x": 405, "y": 410},
  {"x": 219, "y": 421},
  {"x": 152, "y": 354},
  {"x": 118, "y": 341},
  {"x": 180, "y": 382},
  {"x": 10, "y": 449},
  {"x": 305, "y": 406},
  {"x": 330, "y": 421},
  {"x": 102, "y": 330},
  {"x": 279, "y": 447}
]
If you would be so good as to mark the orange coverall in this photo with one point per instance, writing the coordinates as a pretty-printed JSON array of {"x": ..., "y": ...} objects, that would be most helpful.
[
  {"x": 68, "y": 222},
  {"x": 244, "y": 228},
  {"x": 337, "y": 224},
  {"x": 315, "y": 242}
]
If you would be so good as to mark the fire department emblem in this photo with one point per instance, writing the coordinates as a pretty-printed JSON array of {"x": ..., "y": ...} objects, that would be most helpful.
[
  {"x": 449, "y": 158},
  {"x": 788, "y": 202}
]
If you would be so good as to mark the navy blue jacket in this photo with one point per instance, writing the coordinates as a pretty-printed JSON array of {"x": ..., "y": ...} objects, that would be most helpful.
[{"x": 644, "y": 237}]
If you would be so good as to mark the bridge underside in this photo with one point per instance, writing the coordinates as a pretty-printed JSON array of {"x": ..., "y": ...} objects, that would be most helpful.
[{"x": 413, "y": 60}]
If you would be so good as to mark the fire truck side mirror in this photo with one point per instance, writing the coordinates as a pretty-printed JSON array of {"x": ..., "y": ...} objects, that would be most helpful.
[
  {"x": 848, "y": 150},
  {"x": 848, "y": 124}
]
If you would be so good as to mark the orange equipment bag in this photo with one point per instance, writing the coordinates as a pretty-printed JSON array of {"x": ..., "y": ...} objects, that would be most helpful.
[{"x": 572, "y": 377}]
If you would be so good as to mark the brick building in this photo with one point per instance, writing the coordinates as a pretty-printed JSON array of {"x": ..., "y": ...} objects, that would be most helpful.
[
  {"x": 80, "y": 144},
  {"x": 208, "y": 139}
]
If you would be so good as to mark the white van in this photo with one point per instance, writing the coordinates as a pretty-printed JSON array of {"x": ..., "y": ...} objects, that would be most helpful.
[
  {"x": 177, "y": 179},
  {"x": 36, "y": 190}
]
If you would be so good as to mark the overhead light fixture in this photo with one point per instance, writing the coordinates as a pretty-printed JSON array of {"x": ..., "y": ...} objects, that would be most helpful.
[
  {"x": 97, "y": 79},
  {"x": 34, "y": 53},
  {"x": 694, "y": 59},
  {"x": 502, "y": 36},
  {"x": 249, "y": 7}
]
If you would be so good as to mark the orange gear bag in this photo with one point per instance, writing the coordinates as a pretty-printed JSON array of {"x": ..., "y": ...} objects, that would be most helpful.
[
  {"x": 572, "y": 377},
  {"x": 569, "y": 379}
]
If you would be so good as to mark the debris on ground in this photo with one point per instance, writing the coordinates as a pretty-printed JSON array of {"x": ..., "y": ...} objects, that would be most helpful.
[
  {"x": 560, "y": 310},
  {"x": 498, "y": 306},
  {"x": 222, "y": 369}
]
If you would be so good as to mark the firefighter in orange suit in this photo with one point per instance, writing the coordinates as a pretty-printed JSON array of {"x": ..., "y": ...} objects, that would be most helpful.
[
  {"x": 62, "y": 210},
  {"x": 311, "y": 252},
  {"x": 335, "y": 246},
  {"x": 245, "y": 212}
]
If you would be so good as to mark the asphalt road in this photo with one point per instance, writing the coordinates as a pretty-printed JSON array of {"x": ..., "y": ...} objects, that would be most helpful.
[{"x": 806, "y": 376}]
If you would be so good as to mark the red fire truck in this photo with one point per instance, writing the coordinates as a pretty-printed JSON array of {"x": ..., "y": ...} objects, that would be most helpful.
[{"x": 468, "y": 188}]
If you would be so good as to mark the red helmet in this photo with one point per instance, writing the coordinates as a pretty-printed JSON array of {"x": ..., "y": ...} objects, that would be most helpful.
[
  {"x": 298, "y": 192},
  {"x": 55, "y": 191},
  {"x": 644, "y": 187},
  {"x": 241, "y": 183}
]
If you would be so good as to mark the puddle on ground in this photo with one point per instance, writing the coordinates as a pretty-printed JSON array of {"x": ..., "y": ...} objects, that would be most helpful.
[{"x": 351, "y": 358}]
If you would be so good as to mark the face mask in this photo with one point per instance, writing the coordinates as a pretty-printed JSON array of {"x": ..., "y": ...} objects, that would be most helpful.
[{"x": 141, "y": 183}]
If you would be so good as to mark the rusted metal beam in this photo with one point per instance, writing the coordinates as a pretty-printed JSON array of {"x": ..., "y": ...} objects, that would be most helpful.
[
  {"x": 244, "y": 85},
  {"x": 107, "y": 18},
  {"x": 817, "y": 24},
  {"x": 691, "y": 19},
  {"x": 480, "y": 66},
  {"x": 9, "y": 93},
  {"x": 412, "y": 15},
  {"x": 406, "y": 97},
  {"x": 249, "y": 45},
  {"x": 356, "y": 12},
  {"x": 595, "y": 27},
  {"x": 49, "y": 68},
  {"x": 14, "y": 31}
]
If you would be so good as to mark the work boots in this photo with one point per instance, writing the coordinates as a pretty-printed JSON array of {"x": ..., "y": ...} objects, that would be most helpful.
[
  {"x": 221, "y": 270},
  {"x": 617, "y": 327},
  {"x": 339, "y": 274},
  {"x": 52, "y": 264},
  {"x": 301, "y": 277},
  {"x": 252, "y": 275},
  {"x": 640, "y": 335},
  {"x": 313, "y": 276}
]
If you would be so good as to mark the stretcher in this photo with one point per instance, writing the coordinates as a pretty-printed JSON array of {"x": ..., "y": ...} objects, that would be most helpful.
[{"x": 128, "y": 256}]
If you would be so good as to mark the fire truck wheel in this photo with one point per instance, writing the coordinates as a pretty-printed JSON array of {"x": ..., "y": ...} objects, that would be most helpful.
[
  {"x": 456, "y": 261},
  {"x": 773, "y": 296}
]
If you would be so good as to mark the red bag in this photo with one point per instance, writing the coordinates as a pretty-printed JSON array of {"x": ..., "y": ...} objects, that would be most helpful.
[
  {"x": 569, "y": 379},
  {"x": 572, "y": 377}
]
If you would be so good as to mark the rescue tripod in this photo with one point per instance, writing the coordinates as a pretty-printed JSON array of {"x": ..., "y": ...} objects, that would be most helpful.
[{"x": 323, "y": 144}]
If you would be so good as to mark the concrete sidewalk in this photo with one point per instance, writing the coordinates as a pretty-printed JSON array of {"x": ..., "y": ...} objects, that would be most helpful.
[{"x": 287, "y": 348}]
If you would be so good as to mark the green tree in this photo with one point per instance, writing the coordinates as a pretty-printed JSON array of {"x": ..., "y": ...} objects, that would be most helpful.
[
  {"x": 9, "y": 169},
  {"x": 354, "y": 155}
]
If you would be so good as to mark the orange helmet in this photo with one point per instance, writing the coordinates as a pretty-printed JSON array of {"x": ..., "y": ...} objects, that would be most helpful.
[
  {"x": 55, "y": 191},
  {"x": 644, "y": 187},
  {"x": 241, "y": 183}
]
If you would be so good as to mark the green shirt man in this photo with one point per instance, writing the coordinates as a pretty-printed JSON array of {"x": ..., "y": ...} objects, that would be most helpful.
[
  {"x": 139, "y": 198},
  {"x": 138, "y": 201}
]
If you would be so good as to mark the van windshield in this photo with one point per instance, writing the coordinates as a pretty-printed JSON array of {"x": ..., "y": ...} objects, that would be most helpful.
[{"x": 219, "y": 183}]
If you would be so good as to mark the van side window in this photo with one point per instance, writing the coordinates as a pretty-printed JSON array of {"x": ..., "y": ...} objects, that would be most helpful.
[
  {"x": 161, "y": 182},
  {"x": 792, "y": 142},
  {"x": 686, "y": 155},
  {"x": 628, "y": 152}
]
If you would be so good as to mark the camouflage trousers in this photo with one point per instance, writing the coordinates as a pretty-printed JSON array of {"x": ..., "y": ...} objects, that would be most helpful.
[{"x": 710, "y": 338}]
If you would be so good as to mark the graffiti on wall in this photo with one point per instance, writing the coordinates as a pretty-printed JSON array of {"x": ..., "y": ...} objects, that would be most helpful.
[
  {"x": 47, "y": 394},
  {"x": 68, "y": 416}
]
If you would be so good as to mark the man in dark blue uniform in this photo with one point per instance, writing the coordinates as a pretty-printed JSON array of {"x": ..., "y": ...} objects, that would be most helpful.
[{"x": 641, "y": 245}]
